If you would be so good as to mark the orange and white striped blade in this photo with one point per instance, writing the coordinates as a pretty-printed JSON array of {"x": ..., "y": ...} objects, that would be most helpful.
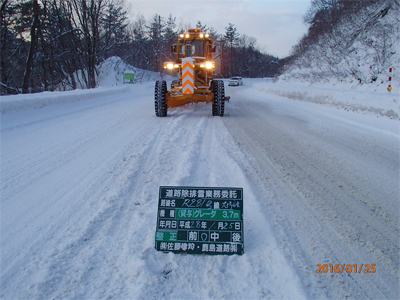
[{"x": 187, "y": 75}]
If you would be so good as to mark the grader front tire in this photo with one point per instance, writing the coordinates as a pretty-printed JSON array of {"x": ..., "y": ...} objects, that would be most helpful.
[
  {"x": 160, "y": 103},
  {"x": 218, "y": 106}
]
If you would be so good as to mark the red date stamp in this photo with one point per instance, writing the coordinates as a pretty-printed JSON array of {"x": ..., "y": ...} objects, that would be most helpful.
[{"x": 356, "y": 268}]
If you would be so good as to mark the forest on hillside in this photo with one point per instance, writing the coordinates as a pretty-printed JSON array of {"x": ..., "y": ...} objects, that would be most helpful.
[
  {"x": 347, "y": 41},
  {"x": 45, "y": 42}
]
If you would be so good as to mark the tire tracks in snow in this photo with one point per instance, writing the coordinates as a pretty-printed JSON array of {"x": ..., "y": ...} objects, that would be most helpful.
[
  {"x": 317, "y": 216},
  {"x": 72, "y": 243},
  {"x": 50, "y": 149},
  {"x": 96, "y": 251},
  {"x": 99, "y": 243},
  {"x": 203, "y": 160}
]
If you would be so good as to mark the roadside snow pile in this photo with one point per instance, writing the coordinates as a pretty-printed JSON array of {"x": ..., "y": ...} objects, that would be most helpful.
[
  {"x": 348, "y": 66},
  {"x": 111, "y": 73},
  {"x": 24, "y": 101},
  {"x": 372, "y": 98},
  {"x": 110, "y": 82}
]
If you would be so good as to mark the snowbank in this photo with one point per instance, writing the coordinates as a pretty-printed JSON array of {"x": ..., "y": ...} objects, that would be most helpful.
[
  {"x": 111, "y": 73},
  {"x": 18, "y": 102},
  {"x": 370, "y": 98},
  {"x": 110, "y": 82},
  {"x": 349, "y": 67}
]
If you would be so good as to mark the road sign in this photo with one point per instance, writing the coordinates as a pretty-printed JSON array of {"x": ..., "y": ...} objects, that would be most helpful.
[
  {"x": 129, "y": 78},
  {"x": 200, "y": 220}
]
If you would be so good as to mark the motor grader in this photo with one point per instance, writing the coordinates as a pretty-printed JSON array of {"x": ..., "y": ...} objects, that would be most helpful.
[{"x": 195, "y": 64}]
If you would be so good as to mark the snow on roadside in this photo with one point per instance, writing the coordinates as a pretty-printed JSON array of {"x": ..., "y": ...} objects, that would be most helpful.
[
  {"x": 111, "y": 73},
  {"x": 372, "y": 99},
  {"x": 25, "y": 101},
  {"x": 110, "y": 82}
]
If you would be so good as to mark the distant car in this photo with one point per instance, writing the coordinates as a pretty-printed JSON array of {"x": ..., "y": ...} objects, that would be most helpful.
[{"x": 236, "y": 81}]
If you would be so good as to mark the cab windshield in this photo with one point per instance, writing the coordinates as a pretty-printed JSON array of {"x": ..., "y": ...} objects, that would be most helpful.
[{"x": 196, "y": 47}]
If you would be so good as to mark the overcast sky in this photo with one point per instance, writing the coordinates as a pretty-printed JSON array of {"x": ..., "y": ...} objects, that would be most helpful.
[{"x": 276, "y": 24}]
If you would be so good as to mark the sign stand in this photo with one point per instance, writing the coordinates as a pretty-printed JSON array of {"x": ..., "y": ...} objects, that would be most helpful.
[{"x": 200, "y": 220}]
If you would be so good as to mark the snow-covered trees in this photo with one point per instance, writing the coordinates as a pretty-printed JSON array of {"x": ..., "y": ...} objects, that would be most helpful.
[
  {"x": 348, "y": 41},
  {"x": 44, "y": 43},
  {"x": 50, "y": 45}
]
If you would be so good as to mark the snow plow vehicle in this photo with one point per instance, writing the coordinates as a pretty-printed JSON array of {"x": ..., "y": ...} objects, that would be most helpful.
[{"x": 195, "y": 65}]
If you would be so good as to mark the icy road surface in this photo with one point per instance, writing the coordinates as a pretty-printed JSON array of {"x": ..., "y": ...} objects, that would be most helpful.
[{"x": 79, "y": 188}]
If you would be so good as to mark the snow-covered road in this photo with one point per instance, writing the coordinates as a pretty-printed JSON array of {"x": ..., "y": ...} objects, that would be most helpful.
[
  {"x": 79, "y": 188},
  {"x": 334, "y": 179}
]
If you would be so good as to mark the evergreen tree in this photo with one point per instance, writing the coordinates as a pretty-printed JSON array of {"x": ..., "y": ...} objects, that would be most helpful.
[
  {"x": 214, "y": 34},
  {"x": 231, "y": 37},
  {"x": 140, "y": 44},
  {"x": 114, "y": 25},
  {"x": 200, "y": 26},
  {"x": 156, "y": 32},
  {"x": 170, "y": 35}
]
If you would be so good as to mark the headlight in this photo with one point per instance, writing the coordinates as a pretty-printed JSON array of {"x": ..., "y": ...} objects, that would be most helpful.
[
  {"x": 207, "y": 35},
  {"x": 187, "y": 35},
  {"x": 201, "y": 35},
  {"x": 209, "y": 65},
  {"x": 168, "y": 65}
]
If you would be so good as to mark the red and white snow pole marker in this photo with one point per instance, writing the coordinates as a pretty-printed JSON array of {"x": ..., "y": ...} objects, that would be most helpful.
[{"x": 390, "y": 79}]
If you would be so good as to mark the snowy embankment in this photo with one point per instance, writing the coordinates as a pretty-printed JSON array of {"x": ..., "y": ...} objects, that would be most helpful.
[
  {"x": 111, "y": 73},
  {"x": 361, "y": 48},
  {"x": 25, "y": 101},
  {"x": 110, "y": 82},
  {"x": 368, "y": 99},
  {"x": 349, "y": 66}
]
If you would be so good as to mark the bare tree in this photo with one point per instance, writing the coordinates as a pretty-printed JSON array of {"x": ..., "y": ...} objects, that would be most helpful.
[
  {"x": 32, "y": 49},
  {"x": 87, "y": 16}
]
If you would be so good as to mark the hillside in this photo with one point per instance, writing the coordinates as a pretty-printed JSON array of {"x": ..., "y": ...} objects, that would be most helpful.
[{"x": 355, "y": 45}]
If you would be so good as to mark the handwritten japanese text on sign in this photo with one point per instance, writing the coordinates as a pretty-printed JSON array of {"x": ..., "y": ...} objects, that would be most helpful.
[{"x": 200, "y": 220}]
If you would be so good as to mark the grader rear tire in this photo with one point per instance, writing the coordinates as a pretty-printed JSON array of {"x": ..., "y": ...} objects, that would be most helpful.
[
  {"x": 218, "y": 106},
  {"x": 160, "y": 103}
]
